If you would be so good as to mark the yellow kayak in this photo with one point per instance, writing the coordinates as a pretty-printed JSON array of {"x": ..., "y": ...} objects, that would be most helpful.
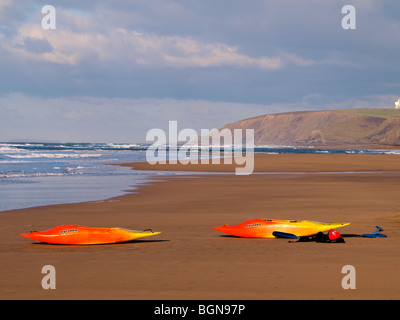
[
  {"x": 76, "y": 234},
  {"x": 264, "y": 228}
]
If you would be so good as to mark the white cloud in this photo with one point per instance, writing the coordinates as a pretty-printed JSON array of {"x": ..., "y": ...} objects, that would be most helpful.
[{"x": 81, "y": 39}]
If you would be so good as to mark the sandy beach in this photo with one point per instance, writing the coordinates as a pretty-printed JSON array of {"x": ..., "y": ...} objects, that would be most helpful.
[{"x": 189, "y": 260}]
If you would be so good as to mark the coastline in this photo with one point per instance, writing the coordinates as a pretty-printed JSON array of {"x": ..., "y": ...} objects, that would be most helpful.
[
  {"x": 290, "y": 163},
  {"x": 189, "y": 260}
]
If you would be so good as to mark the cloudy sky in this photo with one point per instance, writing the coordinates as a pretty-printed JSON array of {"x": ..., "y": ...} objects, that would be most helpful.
[{"x": 112, "y": 70}]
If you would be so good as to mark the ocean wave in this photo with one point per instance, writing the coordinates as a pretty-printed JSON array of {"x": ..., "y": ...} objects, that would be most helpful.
[
  {"x": 80, "y": 147},
  {"x": 9, "y": 150},
  {"x": 16, "y": 175},
  {"x": 54, "y": 155},
  {"x": 37, "y": 151},
  {"x": 78, "y": 169},
  {"x": 10, "y": 161},
  {"x": 122, "y": 145},
  {"x": 55, "y": 171}
]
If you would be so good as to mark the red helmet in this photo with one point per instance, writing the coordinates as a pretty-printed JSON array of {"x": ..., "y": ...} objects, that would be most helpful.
[{"x": 333, "y": 234}]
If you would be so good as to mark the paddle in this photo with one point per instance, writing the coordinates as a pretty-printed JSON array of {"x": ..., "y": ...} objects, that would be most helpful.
[
  {"x": 285, "y": 235},
  {"x": 376, "y": 234}
]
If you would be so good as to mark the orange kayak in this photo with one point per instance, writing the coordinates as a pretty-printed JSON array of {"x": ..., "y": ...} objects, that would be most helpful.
[
  {"x": 264, "y": 228},
  {"x": 75, "y": 234}
]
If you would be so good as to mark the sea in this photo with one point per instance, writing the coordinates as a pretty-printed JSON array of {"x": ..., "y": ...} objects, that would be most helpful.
[{"x": 36, "y": 174}]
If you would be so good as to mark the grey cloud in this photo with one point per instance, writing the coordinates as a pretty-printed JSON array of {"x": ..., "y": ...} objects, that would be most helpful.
[{"x": 38, "y": 46}]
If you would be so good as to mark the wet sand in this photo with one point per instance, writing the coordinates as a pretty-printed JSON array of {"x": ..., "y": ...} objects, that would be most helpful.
[{"x": 189, "y": 260}]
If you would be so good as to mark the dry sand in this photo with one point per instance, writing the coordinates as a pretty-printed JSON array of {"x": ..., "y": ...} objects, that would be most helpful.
[{"x": 189, "y": 260}]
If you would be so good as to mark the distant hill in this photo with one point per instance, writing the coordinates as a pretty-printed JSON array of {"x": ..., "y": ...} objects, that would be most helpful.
[{"x": 369, "y": 127}]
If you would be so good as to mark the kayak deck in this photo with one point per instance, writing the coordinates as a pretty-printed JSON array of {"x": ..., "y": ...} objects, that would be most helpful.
[
  {"x": 264, "y": 228},
  {"x": 76, "y": 234}
]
